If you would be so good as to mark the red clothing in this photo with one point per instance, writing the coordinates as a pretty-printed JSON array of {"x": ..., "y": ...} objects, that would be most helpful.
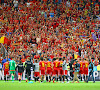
[
  {"x": 61, "y": 62},
  {"x": 36, "y": 74},
  {"x": 36, "y": 56},
  {"x": 42, "y": 65},
  {"x": 20, "y": 74},
  {"x": 6, "y": 66},
  {"x": 81, "y": 71},
  {"x": 86, "y": 64},
  {"x": 6, "y": 73},
  {"x": 96, "y": 63},
  {"x": 51, "y": 56},
  {"x": 56, "y": 64},
  {"x": 23, "y": 60},
  {"x": 49, "y": 67},
  {"x": 85, "y": 72},
  {"x": 56, "y": 67},
  {"x": 49, "y": 64},
  {"x": 49, "y": 71},
  {"x": 81, "y": 65},
  {"x": 65, "y": 72},
  {"x": 61, "y": 72},
  {"x": 42, "y": 72},
  {"x": 55, "y": 71}
]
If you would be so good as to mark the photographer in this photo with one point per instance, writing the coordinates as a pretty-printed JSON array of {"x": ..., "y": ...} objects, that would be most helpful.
[
  {"x": 91, "y": 66},
  {"x": 76, "y": 66},
  {"x": 71, "y": 69}
]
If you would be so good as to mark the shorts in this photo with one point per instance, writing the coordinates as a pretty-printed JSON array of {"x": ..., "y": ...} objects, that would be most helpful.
[
  {"x": 6, "y": 73},
  {"x": 20, "y": 74},
  {"x": 81, "y": 72},
  {"x": 36, "y": 74},
  {"x": 42, "y": 72},
  {"x": 55, "y": 72},
  {"x": 12, "y": 72},
  {"x": 65, "y": 72},
  {"x": 61, "y": 72},
  {"x": 86, "y": 72},
  {"x": 49, "y": 71}
]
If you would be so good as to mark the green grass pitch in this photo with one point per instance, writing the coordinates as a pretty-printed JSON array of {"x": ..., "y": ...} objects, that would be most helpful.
[{"x": 48, "y": 86}]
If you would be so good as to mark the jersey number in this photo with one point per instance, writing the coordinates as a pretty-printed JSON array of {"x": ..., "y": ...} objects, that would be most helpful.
[
  {"x": 42, "y": 64},
  {"x": 6, "y": 67},
  {"x": 48, "y": 65},
  {"x": 81, "y": 65},
  {"x": 56, "y": 64},
  {"x": 86, "y": 65}
]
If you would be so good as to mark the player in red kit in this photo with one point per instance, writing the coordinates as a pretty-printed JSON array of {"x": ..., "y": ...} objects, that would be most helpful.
[
  {"x": 42, "y": 66},
  {"x": 86, "y": 65},
  {"x": 48, "y": 70},
  {"x": 6, "y": 70},
  {"x": 81, "y": 68},
  {"x": 56, "y": 64},
  {"x": 61, "y": 72}
]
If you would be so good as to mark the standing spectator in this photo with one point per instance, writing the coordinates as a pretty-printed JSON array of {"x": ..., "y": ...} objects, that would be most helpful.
[{"x": 15, "y": 2}]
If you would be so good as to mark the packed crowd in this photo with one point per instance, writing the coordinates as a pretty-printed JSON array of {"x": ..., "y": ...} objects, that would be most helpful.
[{"x": 51, "y": 28}]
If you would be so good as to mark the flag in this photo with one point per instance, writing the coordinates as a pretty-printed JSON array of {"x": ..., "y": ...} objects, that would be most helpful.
[
  {"x": 9, "y": 42},
  {"x": 5, "y": 40},
  {"x": 2, "y": 39},
  {"x": 99, "y": 36},
  {"x": 94, "y": 36}
]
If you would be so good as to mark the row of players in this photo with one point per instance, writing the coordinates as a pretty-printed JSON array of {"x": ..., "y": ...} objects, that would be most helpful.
[{"x": 52, "y": 70}]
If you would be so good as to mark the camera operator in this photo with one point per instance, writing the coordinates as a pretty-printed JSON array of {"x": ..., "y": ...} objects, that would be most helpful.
[
  {"x": 76, "y": 66},
  {"x": 91, "y": 66}
]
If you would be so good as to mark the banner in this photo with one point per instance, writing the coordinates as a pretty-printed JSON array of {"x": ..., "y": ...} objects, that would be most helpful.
[{"x": 96, "y": 75}]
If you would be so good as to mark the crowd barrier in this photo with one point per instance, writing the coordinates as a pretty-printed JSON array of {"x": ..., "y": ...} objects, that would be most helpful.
[{"x": 96, "y": 75}]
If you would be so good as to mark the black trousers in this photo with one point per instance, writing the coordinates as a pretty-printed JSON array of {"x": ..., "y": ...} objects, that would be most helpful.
[
  {"x": 71, "y": 74},
  {"x": 28, "y": 72}
]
